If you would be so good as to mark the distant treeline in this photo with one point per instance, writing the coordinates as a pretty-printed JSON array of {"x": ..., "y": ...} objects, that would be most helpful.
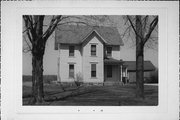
[{"x": 46, "y": 78}]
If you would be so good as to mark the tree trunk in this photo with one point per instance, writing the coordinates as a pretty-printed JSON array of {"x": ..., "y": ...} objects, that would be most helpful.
[
  {"x": 34, "y": 26},
  {"x": 37, "y": 79},
  {"x": 139, "y": 72},
  {"x": 139, "y": 59}
]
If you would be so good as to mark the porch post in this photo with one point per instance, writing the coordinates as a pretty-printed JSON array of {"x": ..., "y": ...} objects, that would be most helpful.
[
  {"x": 126, "y": 75},
  {"x": 126, "y": 72},
  {"x": 121, "y": 73},
  {"x": 58, "y": 65}
]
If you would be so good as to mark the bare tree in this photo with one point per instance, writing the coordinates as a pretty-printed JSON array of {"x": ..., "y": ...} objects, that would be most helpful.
[
  {"x": 143, "y": 26},
  {"x": 38, "y": 39}
]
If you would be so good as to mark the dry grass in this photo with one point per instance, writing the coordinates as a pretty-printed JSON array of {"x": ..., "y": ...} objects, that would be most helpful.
[{"x": 95, "y": 96}]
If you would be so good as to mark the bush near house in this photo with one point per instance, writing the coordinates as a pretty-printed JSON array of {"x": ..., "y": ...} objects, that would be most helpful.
[{"x": 79, "y": 79}]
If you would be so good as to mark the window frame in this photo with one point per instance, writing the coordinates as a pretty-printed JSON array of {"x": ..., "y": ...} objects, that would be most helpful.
[
  {"x": 71, "y": 51},
  {"x": 93, "y": 52},
  {"x": 93, "y": 72},
  {"x": 107, "y": 52},
  {"x": 71, "y": 75}
]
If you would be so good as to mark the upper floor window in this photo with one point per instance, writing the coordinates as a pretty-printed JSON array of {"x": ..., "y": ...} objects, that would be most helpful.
[
  {"x": 109, "y": 51},
  {"x": 93, "y": 70},
  {"x": 71, "y": 50},
  {"x": 71, "y": 70},
  {"x": 93, "y": 50}
]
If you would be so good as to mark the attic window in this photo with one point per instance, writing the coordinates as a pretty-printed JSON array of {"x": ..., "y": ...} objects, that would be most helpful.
[
  {"x": 109, "y": 51},
  {"x": 93, "y": 50},
  {"x": 71, "y": 50}
]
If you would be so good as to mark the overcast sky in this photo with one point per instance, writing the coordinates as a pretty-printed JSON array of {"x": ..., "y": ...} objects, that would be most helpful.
[{"x": 127, "y": 51}]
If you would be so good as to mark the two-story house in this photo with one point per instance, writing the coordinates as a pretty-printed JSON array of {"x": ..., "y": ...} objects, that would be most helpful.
[{"x": 92, "y": 52}]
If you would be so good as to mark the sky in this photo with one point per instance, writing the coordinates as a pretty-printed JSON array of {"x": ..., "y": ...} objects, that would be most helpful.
[{"x": 127, "y": 52}]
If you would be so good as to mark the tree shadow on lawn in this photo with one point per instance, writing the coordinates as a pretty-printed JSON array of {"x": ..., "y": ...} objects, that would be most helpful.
[
  {"x": 50, "y": 89},
  {"x": 66, "y": 94},
  {"x": 105, "y": 96},
  {"x": 55, "y": 93},
  {"x": 97, "y": 96}
]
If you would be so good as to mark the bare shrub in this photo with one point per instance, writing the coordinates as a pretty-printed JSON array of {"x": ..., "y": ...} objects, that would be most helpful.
[{"x": 79, "y": 79}]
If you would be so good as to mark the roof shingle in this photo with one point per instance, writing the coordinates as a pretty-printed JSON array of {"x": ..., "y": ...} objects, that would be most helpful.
[
  {"x": 75, "y": 34},
  {"x": 131, "y": 65}
]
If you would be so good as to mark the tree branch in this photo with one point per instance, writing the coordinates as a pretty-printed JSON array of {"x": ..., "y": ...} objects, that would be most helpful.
[
  {"x": 152, "y": 26},
  {"x": 30, "y": 37},
  {"x": 145, "y": 20},
  {"x": 71, "y": 22},
  {"x": 127, "y": 29},
  {"x": 133, "y": 27},
  {"x": 54, "y": 22},
  {"x": 29, "y": 46},
  {"x": 27, "y": 26}
]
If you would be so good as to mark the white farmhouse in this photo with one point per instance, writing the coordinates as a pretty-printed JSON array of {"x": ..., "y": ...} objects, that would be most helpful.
[{"x": 91, "y": 52}]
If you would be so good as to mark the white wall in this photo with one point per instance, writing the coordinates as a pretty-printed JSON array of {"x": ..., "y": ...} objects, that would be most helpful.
[
  {"x": 88, "y": 59},
  {"x": 65, "y": 60},
  {"x": 116, "y": 51}
]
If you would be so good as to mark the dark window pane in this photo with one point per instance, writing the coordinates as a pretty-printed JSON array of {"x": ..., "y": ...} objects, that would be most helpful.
[
  {"x": 93, "y": 73},
  {"x": 93, "y": 49},
  {"x": 109, "y": 71},
  {"x": 71, "y": 71},
  {"x": 109, "y": 51},
  {"x": 93, "y": 67},
  {"x": 93, "y": 70},
  {"x": 71, "y": 50}
]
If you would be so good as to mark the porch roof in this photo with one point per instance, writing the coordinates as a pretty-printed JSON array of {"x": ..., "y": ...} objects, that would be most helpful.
[{"x": 112, "y": 61}]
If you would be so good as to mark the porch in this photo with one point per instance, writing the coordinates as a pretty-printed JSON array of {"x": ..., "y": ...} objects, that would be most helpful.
[{"x": 115, "y": 71}]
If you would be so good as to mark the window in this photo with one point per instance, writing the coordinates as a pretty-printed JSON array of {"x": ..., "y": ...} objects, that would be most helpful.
[
  {"x": 109, "y": 71},
  {"x": 93, "y": 50},
  {"x": 71, "y": 71},
  {"x": 93, "y": 70},
  {"x": 109, "y": 51},
  {"x": 71, "y": 50}
]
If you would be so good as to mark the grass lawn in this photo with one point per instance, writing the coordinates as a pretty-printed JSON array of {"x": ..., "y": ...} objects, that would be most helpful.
[{"x": 95, "y": 95}]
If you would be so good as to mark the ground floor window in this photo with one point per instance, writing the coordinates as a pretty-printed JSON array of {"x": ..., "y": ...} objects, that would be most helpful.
[
  {"x": 71, "y": 70},
  {"x": 93, "y": 70},
  {"x": 109, "y": 71}
]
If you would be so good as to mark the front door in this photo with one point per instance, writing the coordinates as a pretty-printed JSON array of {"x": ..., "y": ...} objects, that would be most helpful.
[{"x": 111, "y": 73}]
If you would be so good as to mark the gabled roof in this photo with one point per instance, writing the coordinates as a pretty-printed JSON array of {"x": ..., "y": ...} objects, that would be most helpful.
[
  {"x": 76, "y": 34},
  {"x": 131, "y": 65}
]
